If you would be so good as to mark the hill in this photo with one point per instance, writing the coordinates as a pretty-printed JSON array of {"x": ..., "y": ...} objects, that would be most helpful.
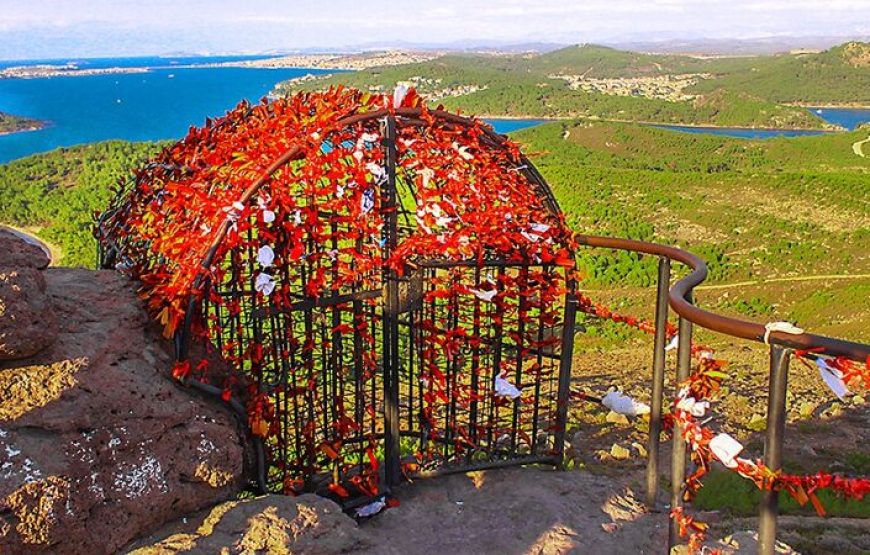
[
  {"x": 840, "y": 75},
  {"x": 792, "y": 210},
  {"x": 605, "y": 62},
  {"x": 598, "y": 82}
]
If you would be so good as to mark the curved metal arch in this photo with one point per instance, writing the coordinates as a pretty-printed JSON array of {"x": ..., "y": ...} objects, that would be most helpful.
[
  {"x": 412, "y": 116},
  {"x": 293, "y": 153}
]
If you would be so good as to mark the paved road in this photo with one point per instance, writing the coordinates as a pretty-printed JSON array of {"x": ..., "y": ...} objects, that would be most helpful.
[{"x": 858, "y": 147}]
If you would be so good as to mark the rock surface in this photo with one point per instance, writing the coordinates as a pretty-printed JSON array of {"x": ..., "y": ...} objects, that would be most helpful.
[
  {"x": 97, "y": 444},
  {"x": 512, "y": 510},
  {"x": 270, "y": 524},
  {"x": 27, "y": 321},
  {"x": 19, "y": 253}
]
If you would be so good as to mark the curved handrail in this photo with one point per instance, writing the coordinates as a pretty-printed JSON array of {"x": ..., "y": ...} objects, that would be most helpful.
[{"x": 716, "y": 322}]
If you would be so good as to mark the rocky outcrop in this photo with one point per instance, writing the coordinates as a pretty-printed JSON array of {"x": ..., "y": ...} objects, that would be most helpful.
[
  {"x": 27, "y": 323},
  {"x": 17, "y": 252},
  {"x": 97, "y": 444},
  {"x": 307, "y": 524},
  {"x": 511, "y": 510}
]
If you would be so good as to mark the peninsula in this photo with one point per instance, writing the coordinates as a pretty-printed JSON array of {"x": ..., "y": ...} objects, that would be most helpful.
[
  {"x": 65, "y": 70},
  {"x": 15, "y": 124}
]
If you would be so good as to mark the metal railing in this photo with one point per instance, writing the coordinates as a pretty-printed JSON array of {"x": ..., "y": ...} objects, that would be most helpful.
[{"x": 781, "y": 345}]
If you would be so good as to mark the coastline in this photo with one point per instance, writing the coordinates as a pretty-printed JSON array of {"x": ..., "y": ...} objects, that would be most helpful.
[
  {"x": 846, "y": 106},
  {"x": 830, "y": 128},
  {"x": 31, "y": 125}
]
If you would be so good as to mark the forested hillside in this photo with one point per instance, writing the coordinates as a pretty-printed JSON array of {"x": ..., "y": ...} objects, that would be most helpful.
[
  {"x": 597, "y": 82},
  {"x": 763, "y": 207},
  {"x": 840, "y": 75},
  {"x": 751, "y": 208},
  {"x": 60, "y": 190}
]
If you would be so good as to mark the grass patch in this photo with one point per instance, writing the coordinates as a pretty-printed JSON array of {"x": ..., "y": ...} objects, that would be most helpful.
[{"x": 727, "y": 491}]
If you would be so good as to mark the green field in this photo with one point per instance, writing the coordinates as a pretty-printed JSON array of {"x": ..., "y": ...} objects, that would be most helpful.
[{"x": 58, "y": 192}]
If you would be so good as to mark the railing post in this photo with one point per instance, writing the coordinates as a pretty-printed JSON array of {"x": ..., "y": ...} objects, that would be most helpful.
[
  {"x": 776, "y": 392},
  {"x": 678, "y": 453},
  {"x": 658, "y": 382}
]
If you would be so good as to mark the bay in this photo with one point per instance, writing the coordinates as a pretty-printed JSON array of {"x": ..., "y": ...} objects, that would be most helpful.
[{"x": 850, "y": 118}]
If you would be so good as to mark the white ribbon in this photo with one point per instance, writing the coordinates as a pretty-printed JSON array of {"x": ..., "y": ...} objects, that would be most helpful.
[
  {"x": 367, "y": 202},
  {"x": 833, "y": 378},
  {"x": 265, "y": 256},
  {"x": 379, "y": 173},
  {"x": 463, "y": 151},
  {"x": 371, "y": 509},
  {"x": 726, "y": 448},
  {"x": 268, "y": 215},
  {"x": 674, "y": 343},
  {"x": 504, "y": 388},
  {"x": 784, "y": 327},
  {"x": 693, "y": 407},
  {"x": 264, "y": 283},
  {"x": 234, "y": 211},
  {"x": 399, "y": 95},
  {"x": 487, "y": 296},
  {"x": 623, "y": 404}
]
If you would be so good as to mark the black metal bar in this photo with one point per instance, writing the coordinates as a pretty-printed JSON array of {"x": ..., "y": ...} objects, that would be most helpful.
[
  {"x": 658, "y": 383},
  {"x": 486, "y": 263},
  {"x": 678, "y": 453},
  {"x": 485, "y": 465},
  {"x": 392, "y": 464},
  {"x": 776, "y": 392},
  {"x": 565, "y": 369}
]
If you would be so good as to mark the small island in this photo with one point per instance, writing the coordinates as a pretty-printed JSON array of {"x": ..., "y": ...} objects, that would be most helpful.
[{"x": 16, "y": 124}]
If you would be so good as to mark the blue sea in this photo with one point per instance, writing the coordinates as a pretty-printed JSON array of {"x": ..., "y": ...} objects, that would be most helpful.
[
  {"x": 850, "y": 118},
  {"x": 160, "y": 104}
]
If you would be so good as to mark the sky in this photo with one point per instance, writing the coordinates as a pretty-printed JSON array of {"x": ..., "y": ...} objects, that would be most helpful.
[{"x": 32, "y": 29}]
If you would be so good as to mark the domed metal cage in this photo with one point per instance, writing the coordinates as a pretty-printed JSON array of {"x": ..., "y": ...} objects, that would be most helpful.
[{"x": 389, "y": 289}]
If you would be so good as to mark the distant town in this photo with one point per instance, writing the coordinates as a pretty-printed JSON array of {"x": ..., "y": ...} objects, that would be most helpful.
[
  {"x": 338, "y": 61},
  {"x": 664, "y": 87}
]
